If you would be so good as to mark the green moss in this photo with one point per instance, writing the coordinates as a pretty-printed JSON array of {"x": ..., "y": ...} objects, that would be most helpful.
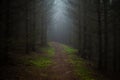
[
  {"x": 68, "y": 49},
  {"x": 44, "y": 60},
  {"x": 49, "y": 51},
  {"x": 81, "y": 70}
]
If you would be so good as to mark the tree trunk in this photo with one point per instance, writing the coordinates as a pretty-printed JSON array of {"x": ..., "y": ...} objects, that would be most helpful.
[
  {"x": 7, "y": 32},
  {"x": 105, "y": 34},
  {"x": 34, "y": 26},
  {"x": 27, "y": 31},
  {"x": 99, "y": 34}
]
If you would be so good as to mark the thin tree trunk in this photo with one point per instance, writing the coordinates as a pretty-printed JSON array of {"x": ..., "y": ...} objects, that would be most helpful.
[
  {"x": 34, "y": 26},
  {"x": 7, "y": 32},
  {"x": 99, "y": 34},
  {"x": 115, "y": 49},
  {"x": 27, "y": 31},
  {"x": 105, "y": 34}
]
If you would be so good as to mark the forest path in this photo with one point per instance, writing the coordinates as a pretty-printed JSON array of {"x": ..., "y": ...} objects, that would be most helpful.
[
  {"x": 54, "y": 62},
  {"x": 62, "y": 69}
]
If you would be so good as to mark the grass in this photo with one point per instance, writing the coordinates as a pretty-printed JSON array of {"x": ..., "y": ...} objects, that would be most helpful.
[
  {"x": 49, "y": 51},
  {"x": 28, "y": 66},
  {"x": 68, "y": 49},
  {"x": 41, "y": 62},
  {"x": 81, "y": 70},
  {"x": 44, "y": 60}
]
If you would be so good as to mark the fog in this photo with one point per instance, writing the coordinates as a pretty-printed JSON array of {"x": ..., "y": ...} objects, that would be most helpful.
[{"x": 60, "y": 24}]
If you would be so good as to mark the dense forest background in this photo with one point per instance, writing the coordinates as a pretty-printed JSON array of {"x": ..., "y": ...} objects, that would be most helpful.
[{"x": 95, "y": 30}]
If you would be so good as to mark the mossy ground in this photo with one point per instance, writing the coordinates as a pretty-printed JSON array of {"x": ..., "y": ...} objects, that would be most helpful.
[
  {"x": 43, "y": 59},
  {"x": 33, "y": 66},
  {"x": 37, "y": 65},
  {"x": 81, "y": 70}
]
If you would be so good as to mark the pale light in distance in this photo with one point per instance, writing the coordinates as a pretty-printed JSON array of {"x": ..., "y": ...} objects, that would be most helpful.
[{"x": 58, "y": 29}]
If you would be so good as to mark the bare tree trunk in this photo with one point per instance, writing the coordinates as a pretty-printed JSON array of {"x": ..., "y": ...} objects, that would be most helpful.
[
  {"x": 7, "y": 32},
  {"x": 105, "y": 34},
  {"x": 34, "y": 26},
  {"x": 115, "y": 49},
  {"x": 100, "y": 35},
  {"x": 27, "y": 31}
]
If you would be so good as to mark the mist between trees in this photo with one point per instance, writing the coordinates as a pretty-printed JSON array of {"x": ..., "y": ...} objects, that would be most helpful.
[{"x": 93, "y": 27}]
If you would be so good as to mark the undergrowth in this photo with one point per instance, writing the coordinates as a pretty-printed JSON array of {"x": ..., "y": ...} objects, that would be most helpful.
[
  {"x": 81, "y": 70},
  {"x": 44, "y": 59}
]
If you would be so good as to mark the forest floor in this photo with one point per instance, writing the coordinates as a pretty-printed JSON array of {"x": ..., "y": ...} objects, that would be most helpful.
[{"x": 56, "y": 62}]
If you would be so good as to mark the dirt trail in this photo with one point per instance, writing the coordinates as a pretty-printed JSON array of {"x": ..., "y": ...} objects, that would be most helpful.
[{"x": 62, "y": 69}]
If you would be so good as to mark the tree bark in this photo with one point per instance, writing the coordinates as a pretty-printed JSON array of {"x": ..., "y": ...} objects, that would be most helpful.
[
  {"x": 105, "y": 34},
  {"x": 99, "y": 34}
]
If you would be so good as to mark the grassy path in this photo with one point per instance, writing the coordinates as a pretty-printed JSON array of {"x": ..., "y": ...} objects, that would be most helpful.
[
  {"x": 61, "y": 69},
  {"x": 56, "y": 62}
]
